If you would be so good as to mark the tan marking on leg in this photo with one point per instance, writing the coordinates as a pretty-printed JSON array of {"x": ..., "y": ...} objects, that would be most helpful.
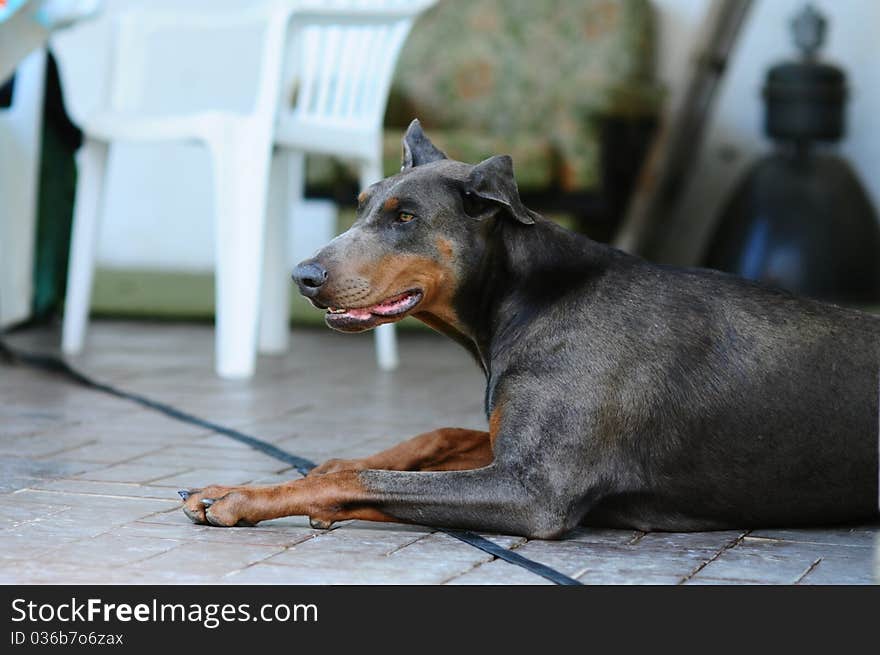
[
  {"x": 495, "y": 423},
  {"x": 445, "y": 449},
  {"x": 324, "y": 498}
]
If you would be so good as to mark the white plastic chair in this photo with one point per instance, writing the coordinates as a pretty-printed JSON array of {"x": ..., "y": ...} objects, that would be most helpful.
[
  {"x": 240, "y": 145},
  {"x": 20, "y": 132},
  {"x": 338, "y": 67}
]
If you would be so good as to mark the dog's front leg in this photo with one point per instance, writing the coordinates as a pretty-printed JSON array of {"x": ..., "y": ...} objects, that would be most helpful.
[{"x": 488, "y": 498}]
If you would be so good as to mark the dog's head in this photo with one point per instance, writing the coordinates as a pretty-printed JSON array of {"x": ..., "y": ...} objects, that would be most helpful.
[{"x": 416, "y": 236}]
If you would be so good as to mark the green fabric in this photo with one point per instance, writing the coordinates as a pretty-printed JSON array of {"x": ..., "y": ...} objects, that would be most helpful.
[
  {"x": 528, "y": 78},
  {"x": 55, "y": 195},
  {"x": 57, "y": 188}
]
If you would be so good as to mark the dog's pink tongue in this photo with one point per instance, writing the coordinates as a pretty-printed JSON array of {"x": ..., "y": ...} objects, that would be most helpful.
[
  {"x": 387, "y": 307},
  {"x": 392, "y": 305},
  {"x": 362, "y": 314}
]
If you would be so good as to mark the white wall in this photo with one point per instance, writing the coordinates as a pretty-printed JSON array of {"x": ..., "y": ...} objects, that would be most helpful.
[
  {"x": 158, "y": 206},
  {"x": 734, "y": 136}
]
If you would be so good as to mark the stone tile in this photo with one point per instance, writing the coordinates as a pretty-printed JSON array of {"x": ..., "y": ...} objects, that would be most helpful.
[
  {"x": 341, "y": 548},
  {"x": 378, "y": 527},
  {"x": 111, "y": 549},
  {"x": 137, "y": 473},
  {"x": 110, "y": 452},
  {"x": 37, "y": 571},
  {"x": 599, "y": 561},
  {"x": 360, "y": 571},
  {"x": 126, "y": 506},
  {"x": 497, "y": 572},
  {"x": 14, "y": 513},
  {"x": 41, "y": 445},
  {"x": 712, "y": 540},
  {"x": 706, "y": 581},
  {"x": 109, "y": 489},
  {"x": 219, "y": 442},
  {"x": 587, "y": 535},
  {"x": 155, "y": 431},
  {"x": 782, "y": 562},
  {"x": 190, "y": 532},
  {"x": 841, "y": 536},
  {"x": 200, "y": 477},
  {"x": 195, "y": 457},
  {"x": 436, "y": 556},
  {"x": 16, "y": 422},
  {"x": 200, "y": 562},
  {"x": 20, "y": 472},
  {"x": 857, "y": 569}
]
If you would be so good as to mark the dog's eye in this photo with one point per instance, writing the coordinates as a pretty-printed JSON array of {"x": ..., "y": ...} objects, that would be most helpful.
[{"x": 405, "y": 217}]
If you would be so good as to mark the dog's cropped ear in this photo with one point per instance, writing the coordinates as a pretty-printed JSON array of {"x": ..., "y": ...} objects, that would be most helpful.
[
  {"x": 491, "y": 187},
  {"x": 417, "y": 148}
]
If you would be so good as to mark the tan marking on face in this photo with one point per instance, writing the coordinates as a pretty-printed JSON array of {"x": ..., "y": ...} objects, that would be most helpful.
[
  {"x": 394, "y": 274},
  {"x": 444, "y": 247},
  {"x": 362, "y": 197},
  {"x": 391, "y": 204}
]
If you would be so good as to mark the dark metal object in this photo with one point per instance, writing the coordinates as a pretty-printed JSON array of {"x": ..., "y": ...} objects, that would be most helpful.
[
  {"x": 799, "y": 219},
  {"x": 805, "y": 99}
]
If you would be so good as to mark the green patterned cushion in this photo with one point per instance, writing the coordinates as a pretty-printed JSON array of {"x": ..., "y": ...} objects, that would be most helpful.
[
  {"x": 510, "y": 74},
  {"x": 526, "y": 78}
]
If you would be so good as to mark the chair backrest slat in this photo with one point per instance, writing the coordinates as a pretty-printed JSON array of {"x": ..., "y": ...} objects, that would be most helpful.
[{"x": 344, "y": 58}]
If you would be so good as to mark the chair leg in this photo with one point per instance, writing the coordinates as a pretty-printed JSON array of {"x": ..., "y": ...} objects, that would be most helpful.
[
  {"x": 91, "y": 160},
  {"x": 385, "y": 335},
  {"x": 241, "y": 169},
  {"x": 285, "y": 189}
]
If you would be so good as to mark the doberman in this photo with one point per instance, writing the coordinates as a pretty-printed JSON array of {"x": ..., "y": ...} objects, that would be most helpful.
[{"x": 618, "y": 392}]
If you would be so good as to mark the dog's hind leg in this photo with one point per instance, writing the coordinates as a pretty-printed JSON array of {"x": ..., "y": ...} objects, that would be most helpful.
[{"x": 444, "y": 449}]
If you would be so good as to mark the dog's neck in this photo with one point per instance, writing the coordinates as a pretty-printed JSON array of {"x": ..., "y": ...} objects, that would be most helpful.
[{"x": 537, "y": 263}]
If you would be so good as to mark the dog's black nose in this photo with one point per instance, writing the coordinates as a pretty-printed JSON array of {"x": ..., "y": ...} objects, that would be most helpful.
[{"x": 309, "y": 277}]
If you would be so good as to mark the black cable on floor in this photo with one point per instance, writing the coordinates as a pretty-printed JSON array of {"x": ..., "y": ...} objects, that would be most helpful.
[{"x": 58, "y": 366}]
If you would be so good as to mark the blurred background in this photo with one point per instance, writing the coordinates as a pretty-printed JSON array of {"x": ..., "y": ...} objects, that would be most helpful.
[{"x": 642, "y": 123}]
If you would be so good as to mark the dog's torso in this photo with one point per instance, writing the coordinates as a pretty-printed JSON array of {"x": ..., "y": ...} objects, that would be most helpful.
[{"x": 683, "y": 399}]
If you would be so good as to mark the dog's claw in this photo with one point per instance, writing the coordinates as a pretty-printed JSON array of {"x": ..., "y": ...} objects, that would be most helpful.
[
  {"x": 207, "y": 502},
  {"x": 318, "y": 524},
  {"x": 184, "y": 493}
]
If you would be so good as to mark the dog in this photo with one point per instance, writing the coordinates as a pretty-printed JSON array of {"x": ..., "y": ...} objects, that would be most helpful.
[{"x": 618, "y": 392}]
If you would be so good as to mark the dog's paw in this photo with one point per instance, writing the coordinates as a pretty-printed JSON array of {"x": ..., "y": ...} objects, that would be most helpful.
[
  {"x": 216, "y": 505},
  {"x": 335, "y": 465}
]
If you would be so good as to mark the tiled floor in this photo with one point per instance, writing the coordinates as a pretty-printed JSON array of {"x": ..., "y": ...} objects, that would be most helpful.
[{"x": 87, "y": 481}]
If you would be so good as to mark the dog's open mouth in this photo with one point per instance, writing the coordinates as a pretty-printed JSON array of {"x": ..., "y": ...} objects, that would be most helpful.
[{"x": 363, "y": 318}]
